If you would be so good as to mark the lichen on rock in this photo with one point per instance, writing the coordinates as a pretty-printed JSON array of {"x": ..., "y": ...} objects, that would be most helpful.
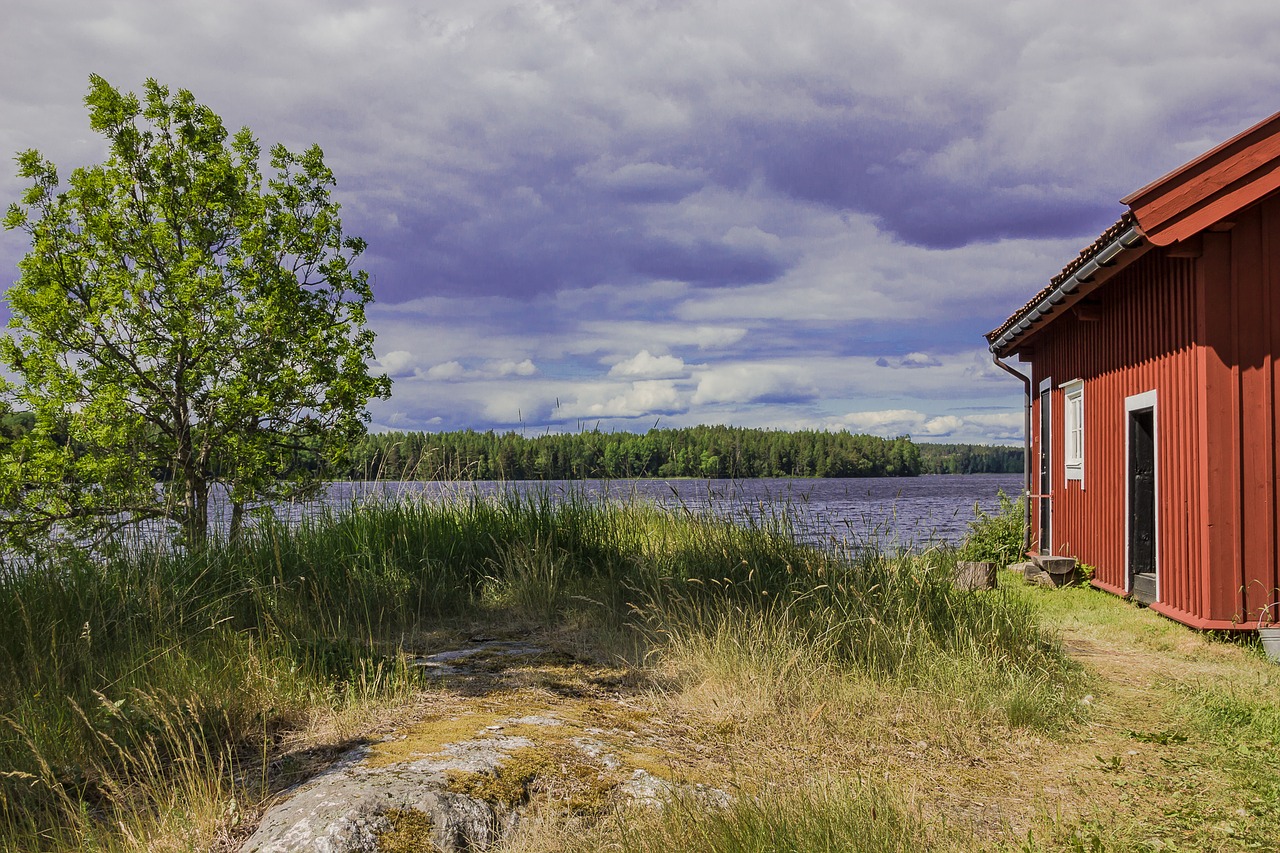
[{"x": 459, "y": 778}]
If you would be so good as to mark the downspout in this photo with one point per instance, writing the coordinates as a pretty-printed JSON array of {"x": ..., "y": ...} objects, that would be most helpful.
[{"x": 1026, "y": 449}]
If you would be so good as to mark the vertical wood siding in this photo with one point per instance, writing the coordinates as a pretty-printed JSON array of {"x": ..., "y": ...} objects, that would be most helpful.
[
  {"x": 1202, "y": 334},
  {"x": 1143, "y": 341}
]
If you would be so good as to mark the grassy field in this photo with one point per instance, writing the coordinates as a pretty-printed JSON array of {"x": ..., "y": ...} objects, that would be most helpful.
[{"x": 157, "y": 701}]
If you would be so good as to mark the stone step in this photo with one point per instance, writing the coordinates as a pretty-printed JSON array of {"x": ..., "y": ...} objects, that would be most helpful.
[
  {"x": 1055, "y": 565},
  {"x": 1032, "y": 574}
]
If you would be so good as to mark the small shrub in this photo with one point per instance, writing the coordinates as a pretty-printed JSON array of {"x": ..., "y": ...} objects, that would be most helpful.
[{"x": 996, "y": 538}]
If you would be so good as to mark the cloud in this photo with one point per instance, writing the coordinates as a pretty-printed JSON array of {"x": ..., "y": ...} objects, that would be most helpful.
[
  {"x": 746, "y": 383},
  {"x": 645, "y": 398},
  {"x": 766, "y": 203},
  {"x": 911, "y": 360},
  {"x": 997, "y": 427},
  {"x": 513, "y": 368},
  {"x": 646, "y": 366},
  {"x": 449, "y": 370},
  {"x": 453, "y": 371},
  {"x": 642, "y": 182},
  {"x": 397, "y": 362}
]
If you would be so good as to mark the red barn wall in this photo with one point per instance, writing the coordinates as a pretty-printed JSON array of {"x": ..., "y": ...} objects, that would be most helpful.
[
  {"x": 1201, "y": 333},
  {"x": 1144, "y": 340}
]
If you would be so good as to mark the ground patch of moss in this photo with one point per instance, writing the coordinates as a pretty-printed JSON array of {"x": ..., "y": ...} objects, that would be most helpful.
[
  {"x": 429, "y": 736},
  {"x": 410, "y": 832},
  {"x": 557, "y": 772}
]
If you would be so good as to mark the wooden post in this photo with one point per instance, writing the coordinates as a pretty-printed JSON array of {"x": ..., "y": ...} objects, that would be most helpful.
[{"x": 971, "y": 575}]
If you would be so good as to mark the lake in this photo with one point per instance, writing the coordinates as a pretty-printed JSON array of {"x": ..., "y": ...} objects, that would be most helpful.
[{"x": 888, "y": 511}]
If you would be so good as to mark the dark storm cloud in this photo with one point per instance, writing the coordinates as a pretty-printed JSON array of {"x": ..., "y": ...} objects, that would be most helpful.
[{"x": 704, "y": 262}]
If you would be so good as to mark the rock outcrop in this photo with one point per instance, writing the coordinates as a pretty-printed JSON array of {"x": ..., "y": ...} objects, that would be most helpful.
[{"x": 529, "y": 724}]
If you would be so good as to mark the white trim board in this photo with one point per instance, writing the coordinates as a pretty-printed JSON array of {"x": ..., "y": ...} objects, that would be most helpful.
[{"x": 1138, "y": 403}]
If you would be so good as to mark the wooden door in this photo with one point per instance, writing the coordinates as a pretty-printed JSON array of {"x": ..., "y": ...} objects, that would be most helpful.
[
  {"x": 1142, "y": 505},
  {"x": 1046, "y": 480}
]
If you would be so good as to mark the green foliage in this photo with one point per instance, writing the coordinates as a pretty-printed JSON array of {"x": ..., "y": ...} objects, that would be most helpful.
[
  {"x": 970, "y": 459},
  {"x": 702, "y": 451},
  {"x": 178, "y": 318},
  {"x": 996, "y": 538},
  {"x": 227, "y": 643}
]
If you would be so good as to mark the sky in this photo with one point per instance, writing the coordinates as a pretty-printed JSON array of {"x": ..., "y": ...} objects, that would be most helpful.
[{"x": 627, "y": 214}]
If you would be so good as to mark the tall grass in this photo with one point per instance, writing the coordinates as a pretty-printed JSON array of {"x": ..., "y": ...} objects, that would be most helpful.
[
  {"x": 143, "y": 673},
  {"x": 830, "y": 818}
]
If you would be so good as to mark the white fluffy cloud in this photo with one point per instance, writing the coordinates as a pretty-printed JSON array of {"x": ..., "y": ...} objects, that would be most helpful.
[
  {"x": 641, "y": 399},
  {"x": 980, "y": 428},
  {"x": 644, "y": 365},
  {"x": 397, "y": 362},
  {"x": 453, "y": 371},
  {"x": 746, "y": 383}
]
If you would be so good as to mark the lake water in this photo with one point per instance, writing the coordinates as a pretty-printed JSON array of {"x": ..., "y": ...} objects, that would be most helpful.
[{"x": 890, "y": 511}]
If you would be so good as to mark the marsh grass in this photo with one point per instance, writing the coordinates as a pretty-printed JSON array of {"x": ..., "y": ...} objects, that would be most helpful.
[
  {"x": 146, "y": 689},
  {"x": 831, "y": 817},
  {"x": 896, "y": 620}
]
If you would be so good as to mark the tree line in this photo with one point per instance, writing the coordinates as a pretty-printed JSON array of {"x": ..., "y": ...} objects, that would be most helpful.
[
  {"x": 970, "y": 459},
  {"x": 702, "y": 451}
]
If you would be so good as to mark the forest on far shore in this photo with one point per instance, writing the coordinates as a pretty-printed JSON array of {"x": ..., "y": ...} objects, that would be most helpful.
[{"x": 702, "y": 451}]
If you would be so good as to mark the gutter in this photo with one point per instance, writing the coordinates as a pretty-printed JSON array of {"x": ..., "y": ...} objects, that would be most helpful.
[
  {"x": 1130, "y": 238},
  {"x": 1026, "y": 450}
]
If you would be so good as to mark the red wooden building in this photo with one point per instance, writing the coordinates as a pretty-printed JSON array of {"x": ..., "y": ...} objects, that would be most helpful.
[{"x": 1153, "y": 392}]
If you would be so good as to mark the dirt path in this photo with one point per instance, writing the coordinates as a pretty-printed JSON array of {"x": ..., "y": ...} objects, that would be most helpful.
[{"x": 1179, "y": 728}]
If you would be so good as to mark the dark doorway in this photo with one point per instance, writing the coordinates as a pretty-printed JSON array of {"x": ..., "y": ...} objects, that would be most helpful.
[
  {"x": 1045, "y": 482},
  {"x": 1142, "y": 505}
]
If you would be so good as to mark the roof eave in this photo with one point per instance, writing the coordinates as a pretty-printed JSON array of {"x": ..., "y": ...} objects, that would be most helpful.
[
  {"x": 1211, "y": 187},
  {"x": 1090, "y": 271}
]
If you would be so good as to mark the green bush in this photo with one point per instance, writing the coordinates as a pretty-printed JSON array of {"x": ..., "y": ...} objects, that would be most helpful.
[{"x": 996, "y": 538}]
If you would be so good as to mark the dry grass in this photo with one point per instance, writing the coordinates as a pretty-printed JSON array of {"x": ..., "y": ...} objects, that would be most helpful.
[
  {"x": 843, "y": 704},
  {"x": 1175, "y": 746}
]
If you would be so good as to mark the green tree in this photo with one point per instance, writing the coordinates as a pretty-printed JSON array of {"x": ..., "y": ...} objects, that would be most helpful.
[{"x": 178, "y": 320}]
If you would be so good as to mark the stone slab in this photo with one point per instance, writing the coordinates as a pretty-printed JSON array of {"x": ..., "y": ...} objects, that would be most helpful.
[
  {"x": 341, "y": 810},
  {"x": 1056, "y": 565}
]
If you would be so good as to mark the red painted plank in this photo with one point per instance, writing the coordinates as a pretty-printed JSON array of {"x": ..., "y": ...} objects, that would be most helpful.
[
  {"x": 1252, "y": 340},
  {"x": 1220, "y": 455},
  {"x": 1213, "y": 186}
]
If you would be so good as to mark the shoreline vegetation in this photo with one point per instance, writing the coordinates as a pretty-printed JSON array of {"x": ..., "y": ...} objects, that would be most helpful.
[
  {"x": 160, "y": 699},
  {"x": 153, "y": 684},
  {"x": 714, "y": 452}
]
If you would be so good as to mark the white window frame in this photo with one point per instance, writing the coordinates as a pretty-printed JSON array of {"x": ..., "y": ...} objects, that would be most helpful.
[{"x": 1073, "y": 430}]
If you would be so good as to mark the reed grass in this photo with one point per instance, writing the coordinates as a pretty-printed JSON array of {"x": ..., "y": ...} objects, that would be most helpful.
[
  {"x": 830, "y": 817},
  {"x": 143, "y": 685}
]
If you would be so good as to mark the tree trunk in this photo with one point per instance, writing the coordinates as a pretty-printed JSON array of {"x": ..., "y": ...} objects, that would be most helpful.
[
  {"x": 197, "y": 520},
  {"x": 237, "y": 522}
]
